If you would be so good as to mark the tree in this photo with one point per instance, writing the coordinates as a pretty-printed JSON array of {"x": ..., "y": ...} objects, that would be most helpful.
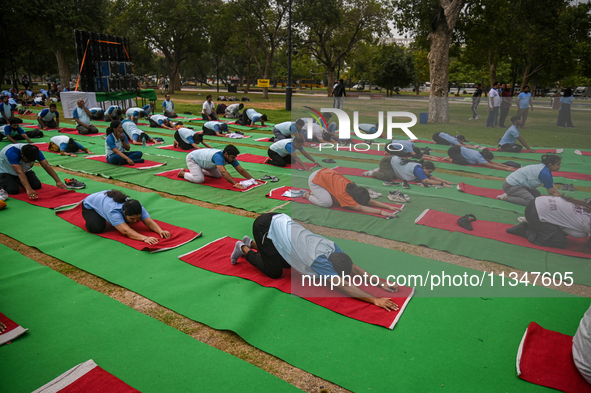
[
  {"x": 392, "y": 66},
  {"x": 173, "y": 27},
  {"x": 334, "y": 28},
  {"x": 421, "y": 63}
]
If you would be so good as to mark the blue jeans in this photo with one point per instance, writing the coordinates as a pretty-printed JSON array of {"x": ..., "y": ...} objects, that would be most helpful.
[{"x": 115, "y": 159}]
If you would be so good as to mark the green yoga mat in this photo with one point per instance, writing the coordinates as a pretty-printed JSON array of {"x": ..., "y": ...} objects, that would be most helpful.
[
  {"x": 476, "y": 337},
  {"x": 69, "y": 323}
]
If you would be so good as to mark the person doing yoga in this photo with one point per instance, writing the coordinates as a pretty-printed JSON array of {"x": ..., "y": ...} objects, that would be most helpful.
[
  {"x": 403, "y": 148},
  {"x": 116, "y": 145},
  {"x": 507, "y": 142},
  {"x": 441, "y": 138},
  {"x": 135, "y": 136},
  {"x": 284, "y": 152},
  {"x": 520, "y": 186},
  {"x": 550, "y": 219},
  {"x": 282, "y": 243},
  {"x": 65, "y": 146},
  {"x": 187, "y": 139},
  {"x": 119, "y": 210},
  {"x": 463, "y": 156},
  {"x": 330, "y": 188},
  {"x": 396, "y": 168}
]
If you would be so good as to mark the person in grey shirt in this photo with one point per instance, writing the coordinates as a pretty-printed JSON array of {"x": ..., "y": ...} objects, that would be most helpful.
[{"x": 582, "y": 346}]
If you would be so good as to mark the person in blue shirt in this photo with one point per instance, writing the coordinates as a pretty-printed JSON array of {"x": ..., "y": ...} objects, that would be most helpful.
[
  {"x": 119, "y": 210},
  {"x": 29, "y": 93},
  {"x": 16, "y": 163},
  {"x": 187, "y": 139},
  {"x": 507, "y": 142},
  {"x": 215, "y": 128},
  {"x": 160, "y": 121},
  {"x": 82, "y": 117},
  {"x": 463, "y": 156},
  {"x": 283, "y": 152},
  {"x": 404, "y": 148},
  {"x": 7, "y": 112},
  {"x": 396, "y": 168},
  {"x": 524, "y": 105},
  {"x": 14, "y": 128},
  {"x": 117, "y": 147},
  {"x": 49, "y": 118},
  {"x": 287, "y": 129},
  {"x": 212, "y": 163},
  {"x": 134, "y": 114},
  {"x": 521, "y": 186},
  {"x": 282, "y": 243},
  {"x": 45, "y": 93},
  {"x": 168, "y": 107},
  {"x": 564, "y": 117},
  {"x": 135, "y": 135},
  {"x": 441, "y": 138},
  {"x": 97, "y": 113},
  {"x": 113, "y": 113},
  {"x": 255, "y": 116},
  {"x": 65, "y": 146}
]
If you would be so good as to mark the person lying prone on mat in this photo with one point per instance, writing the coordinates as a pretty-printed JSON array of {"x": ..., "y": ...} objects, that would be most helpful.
[
  {"x": 160, "y": 121},
  {"x": 549, "y": 219},
  {"x": 14, "y": 128},
  {"x": 441, "y": 138},
  {"x": 16, "y": 163},
  {"x": 215, "y": 128},
  {"x": 212, "y": 163},
  {"x": 188, "y": 139},
  {"x": 404, "y": 148},
  {"x": 117, "y": 146},
  {"x": 396, "y": 168},
  {"x": 520, "y": 186},
  {"x": 507, "y": 142},
  {"x": 282, "y": 243},
  {"x": 134, "y": 134},
  {"x": 582, "y": 346},
  {"x": 117, "y": 209},
  {"x": 330, "y": 188},
  {"x": 66, "y": 146},
  {"x": 463, "y": 156},
  {"x": 284, "y": 152}
]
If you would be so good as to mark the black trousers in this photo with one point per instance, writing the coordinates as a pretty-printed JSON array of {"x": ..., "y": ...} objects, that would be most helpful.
[
  {"x": 267, "y": 259},
  {"x": 455, "y": 153},
  {"x": 277, "y": 160},
  {"x": 542, "y": 233},
  {"x": 207, "y": 131},
  {"x": 182, "y": 144},
  {"x": 94, "y": 222},
  {"x": 511, "y": 147},
  {"x": 439, "y": 140},
  {"x": 12, "y": 184},
  {"x": 50, "y": 124},
  {"x": 153, "y": 124},
  {"x": 504, "y": 114}
]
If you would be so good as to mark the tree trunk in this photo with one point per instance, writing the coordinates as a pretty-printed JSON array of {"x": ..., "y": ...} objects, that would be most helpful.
[
  {"x": 492, "y": 72},
  {"x": 526, "y": 77},
  {"x": 439, "y": 70},
  {"x": 330, "y": 80},
  {"x": 64, "y": 67},
  {"x": 417, "y": 85},
  {"x": 247, "y": 78}
]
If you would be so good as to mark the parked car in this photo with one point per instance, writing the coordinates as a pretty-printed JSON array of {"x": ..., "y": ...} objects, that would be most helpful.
[
  {"x": 357, "y": 87},
  {"x": 582, "y": 92}
]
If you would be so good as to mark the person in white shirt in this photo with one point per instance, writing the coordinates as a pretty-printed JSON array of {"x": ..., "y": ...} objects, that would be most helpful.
[
  {"x": 232, "y": 111},
  {"x": 208, "y": 112},
  {"x": 168, "y": 107},
  {"x": 494, "y": 104},
  {"x": 187, "y": 139},
  {"x": 82, "y": 117},
  {"x": 282, "y": 243}
]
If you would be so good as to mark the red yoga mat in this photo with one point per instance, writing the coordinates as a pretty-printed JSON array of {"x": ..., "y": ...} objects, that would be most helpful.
[
  {"x": 545, "y": 358},
  {"x": 215, "y": 257},
  {"x": 13, "y": 330},
  {"x": 220, "y": 183},
  {"x": 179, "y": 236},
  {"x": 144, "y": 165},
  {"x": 84, "y": 378},
  {"x": 277, "y": 193},
  {"x": 171, "y": 147},
  {"x": 582, "y": 153},
  {"x": 246, "y": 157},
  {"x": 265, "y": 140},
  {"x": 495, "y": 231},
  {"x": 480, "y": 191},
  {"x": 74, "y": 131},
  {"x": 51, "y": 197},
  {"x": 542, "y": 151},
  {"x": 356, "y": 172}
]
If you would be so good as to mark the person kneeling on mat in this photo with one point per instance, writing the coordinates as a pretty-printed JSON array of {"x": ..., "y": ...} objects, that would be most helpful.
[
  {"x": 134, "y": 114},
  {"x": 282, "y": 243},
  {"x": 441, "y": 138},
  {"x": 215, "y": 128},
  {"x": 16, "y": 163},
  {"x": 117, "y": 209},
  {"x": 254, "y": 117},
  {"x": 66, "y": 146},
  {"x": 117, "y": 147},
  {"x": 403, "y": 148},
  {"x": 463, "y": 156},
  {"x": 14, "y": 127},
  {"x": 396, "y": 168},
  {"x": 212, "y": 162},
  {"x": 287, "y": 129},
  {"x": 330, "y": 188},
  {"x": 160, "y": 121},
  {"x": 520, "y": 186},
  {"x": 507, "y": 142},
  {"x": 550, "y": 219},
  {"x": 187, "y": 139},
  {"x": 284, "y": 152},
  {"x": 135, "y": 135}
]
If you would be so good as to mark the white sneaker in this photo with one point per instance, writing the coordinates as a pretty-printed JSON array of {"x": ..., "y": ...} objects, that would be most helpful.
[
  {"x": 3, "y": 195},
  {"x": 471, "y": 118},
  {"x": 477, "y": 117},
  {"x": 367, "y": 174},
  {"x": 521, "y": 219},
  {"x": 237, "y": 253},
  {"x": 502, "y": 197},
  {"x": 373, "y": 194},
  {"x": 397, "y": 196}
]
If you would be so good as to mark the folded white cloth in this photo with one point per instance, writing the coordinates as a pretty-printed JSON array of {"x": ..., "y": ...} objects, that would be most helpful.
[
  {"x": 293, "y": 193},
  {"x": 235, "y": 135},
  {"x": 248, "y": 183}
]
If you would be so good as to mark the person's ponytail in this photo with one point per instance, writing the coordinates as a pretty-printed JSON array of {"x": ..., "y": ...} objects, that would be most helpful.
[
  {"x": 117, "y": 196},
  {"x": 131, "y": 207}
]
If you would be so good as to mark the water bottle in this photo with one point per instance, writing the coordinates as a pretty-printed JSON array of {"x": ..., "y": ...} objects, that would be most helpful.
[{"x": 143, "y": 142}]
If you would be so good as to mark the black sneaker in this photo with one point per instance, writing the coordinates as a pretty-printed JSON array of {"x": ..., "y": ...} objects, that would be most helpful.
[
  {"x": 73, "y": 183},
  {"x": 405, "y": 184}
]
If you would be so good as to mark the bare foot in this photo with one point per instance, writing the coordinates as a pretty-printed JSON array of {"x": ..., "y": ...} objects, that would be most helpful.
[
  {"x": 181, "y": 173},
  {"x": 175, "y": 144},
  {"x": 266, "y": 160}
]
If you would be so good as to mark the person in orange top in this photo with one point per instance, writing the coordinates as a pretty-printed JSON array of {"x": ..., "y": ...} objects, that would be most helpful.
[{"x": 330, "y": 188}]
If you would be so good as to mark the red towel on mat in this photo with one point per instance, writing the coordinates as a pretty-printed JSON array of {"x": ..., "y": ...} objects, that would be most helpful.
[
  {"x": 220, "y": 183},
  {"x": 74, "y": 131},
  {"x": 545, "y": 358},
  {"x": 144, "y": 165},
  {"x": 171, "y": 147},
  {"x": 51, "y": 197},
  {"x": 480, "y": 191},
  {"x": 179, "y": 236},
  {"x": 495, "y": 231},
  {"x": 246, "y": 157},
  {"x": 215, "y": 257},
  {"x": 13, "y": 330},
  {"x": 278, "y": 192},
  {"x": 582, "y": 153},
  {"x": 86, "y": 377}
]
